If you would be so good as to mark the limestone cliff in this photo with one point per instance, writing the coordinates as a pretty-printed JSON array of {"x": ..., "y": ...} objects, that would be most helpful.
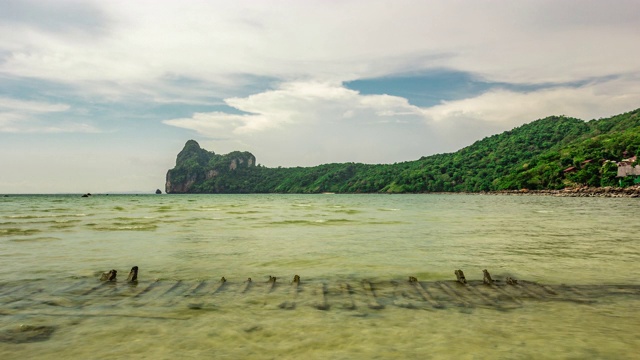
[{"x": 197, "y": 169}]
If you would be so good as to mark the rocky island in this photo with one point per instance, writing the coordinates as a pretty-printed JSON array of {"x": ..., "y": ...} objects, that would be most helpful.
[
  {"x": 557, "y": 155},
  {"x": 198, "y": 170}
]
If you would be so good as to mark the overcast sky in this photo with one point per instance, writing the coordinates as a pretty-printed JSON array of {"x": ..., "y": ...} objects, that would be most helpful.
[{"x": 100, "y": 96}]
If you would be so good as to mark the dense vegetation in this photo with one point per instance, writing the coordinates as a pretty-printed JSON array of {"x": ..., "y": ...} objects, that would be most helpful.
[{"x": 550, "y": 153}]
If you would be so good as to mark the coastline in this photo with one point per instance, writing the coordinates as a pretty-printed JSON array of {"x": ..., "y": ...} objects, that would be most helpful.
[
  {"x": 580, "y": 191},
  {"x": 584, "y": 191}
]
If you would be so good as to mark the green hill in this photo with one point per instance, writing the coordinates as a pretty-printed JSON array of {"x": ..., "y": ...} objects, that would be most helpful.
[{"x": 550, "y": 153}]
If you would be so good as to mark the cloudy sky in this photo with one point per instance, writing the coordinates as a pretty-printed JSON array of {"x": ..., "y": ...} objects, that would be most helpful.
[{"x": 100, "y": 96}]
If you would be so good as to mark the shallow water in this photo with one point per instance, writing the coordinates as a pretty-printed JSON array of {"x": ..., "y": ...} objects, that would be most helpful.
[{"x": 52, "y": 249}]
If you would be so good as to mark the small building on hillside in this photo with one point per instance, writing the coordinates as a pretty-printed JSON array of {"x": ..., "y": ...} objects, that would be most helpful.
[{"x": 626, "y": 168}]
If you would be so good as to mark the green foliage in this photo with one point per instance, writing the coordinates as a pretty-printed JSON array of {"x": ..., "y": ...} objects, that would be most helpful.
[
  {"x": 533, "y": 156},
  {"x": 591, "y": 155},
  {"x": 609, "y": 173}
]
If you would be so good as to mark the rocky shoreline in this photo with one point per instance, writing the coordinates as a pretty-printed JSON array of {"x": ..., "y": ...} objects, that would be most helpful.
[{"x": 585, "y": 191}]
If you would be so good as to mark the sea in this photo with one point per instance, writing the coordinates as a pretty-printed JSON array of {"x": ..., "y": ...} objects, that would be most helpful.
[{"x": 576, "y": 261}]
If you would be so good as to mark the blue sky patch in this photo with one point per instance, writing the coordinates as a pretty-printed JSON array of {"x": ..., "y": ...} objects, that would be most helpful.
[
  {"x": 430, "y": 88},
  {"x": 424, "y": 89}
]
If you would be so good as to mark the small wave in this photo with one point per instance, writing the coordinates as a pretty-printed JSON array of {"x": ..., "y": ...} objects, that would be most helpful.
[
  {"x": 312, "y": 222},
  {"x": 348, "y": 211},
  {"x": 59, "y": 209},
  {"x": 18, "y": 232},
  {"x": 290, "y": 222},
  {"x": 43, "y": 216},
  {"x": 37, "y": 239},
  {"x": 65, "y": 221},
  {"x": 390, "y": 222},
  {"x": 23, "y": 217},
  {"x": 126, "y": 224},
  {"x": 60, "y": 226},
  {"x": 50, "y": 222},
  {"x": 126, "y": 228},
  {"x": 138, "y": 228}
]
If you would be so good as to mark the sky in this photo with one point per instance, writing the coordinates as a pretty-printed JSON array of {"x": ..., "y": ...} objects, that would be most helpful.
[{"x": 100, "y": 96}]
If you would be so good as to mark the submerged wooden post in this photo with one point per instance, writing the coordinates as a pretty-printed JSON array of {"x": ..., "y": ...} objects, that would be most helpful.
[
  {"x": 220, "y": 285},
  {"x": 271, "y": 283},
  {"x": 247, "y": 286},
  {"x": 487, "y": 277},
  {"x": 372, "y": 300},
  {"x": 346, "y": 291},
  {"x": 488, "y": 280},
  {"x": 133, "y": 275},
  {"x": 289, "y": 305},
  {"x": 423, "y": 293},
  {"x": 322, "y": 305},
  {"x": 109, "y": 276}
]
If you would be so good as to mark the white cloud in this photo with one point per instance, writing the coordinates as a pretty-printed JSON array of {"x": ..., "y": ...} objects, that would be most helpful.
[
  {"x": 515, "y": 108},
  {"x": 299, "y": 103},
  {"x": 18, "y": 115},
  {"x": 321, "y": 121},
  {"x": 521, "y": 42},
  {"x": 10, "y": 123},
  {"x": 12, "y": 104},
  {"x": 24, "y": 116}
]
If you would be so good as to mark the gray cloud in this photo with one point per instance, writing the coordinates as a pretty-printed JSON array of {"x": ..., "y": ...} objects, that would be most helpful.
[{"x": 55, "y": 16}]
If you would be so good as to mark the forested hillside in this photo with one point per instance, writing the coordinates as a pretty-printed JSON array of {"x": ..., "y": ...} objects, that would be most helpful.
[{"x": 550, "y": 153}]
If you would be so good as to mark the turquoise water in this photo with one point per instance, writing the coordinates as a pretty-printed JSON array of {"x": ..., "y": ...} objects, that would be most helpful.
[{"x": 51, "y": 242}]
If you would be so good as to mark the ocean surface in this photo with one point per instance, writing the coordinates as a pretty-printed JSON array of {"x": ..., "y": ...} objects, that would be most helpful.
[{"x": 354, "y": 255}]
